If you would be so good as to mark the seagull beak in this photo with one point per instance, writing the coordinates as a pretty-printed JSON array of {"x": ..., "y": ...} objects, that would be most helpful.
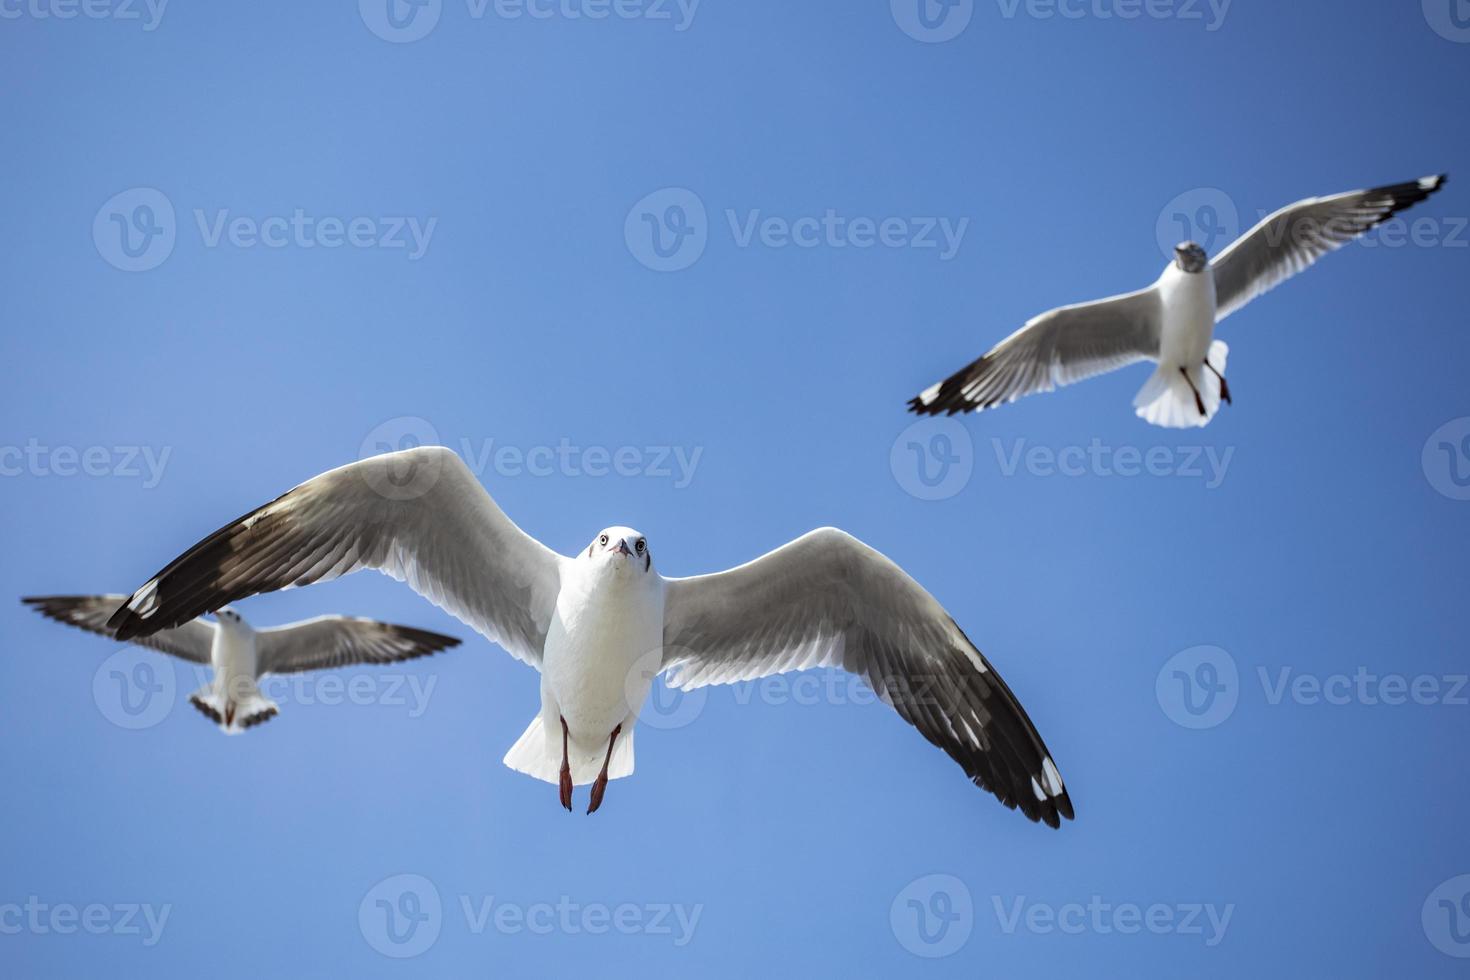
[{"x": 623, "y": 547}]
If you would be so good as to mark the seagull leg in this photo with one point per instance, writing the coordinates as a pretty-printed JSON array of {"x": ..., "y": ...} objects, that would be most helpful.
[
  {"x": 1224, "y": 385},
  {"x": 566, "y": 770},
  {"x": 1199, "y": 402},
  {"x": 600, "y": 786}
]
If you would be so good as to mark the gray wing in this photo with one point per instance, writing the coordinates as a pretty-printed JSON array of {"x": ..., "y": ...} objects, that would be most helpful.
[
  {"x": 191, "y": 641},
  {"x": 337, "y": 641},
  {"x": 417, "y": 515},
  {"x": 827, "y": 599},
  {"x": 1057, "y": 348},
  {"x": 1298, "y": 235}
]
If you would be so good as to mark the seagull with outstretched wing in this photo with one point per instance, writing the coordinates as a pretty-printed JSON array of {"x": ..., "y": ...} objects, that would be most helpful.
[
  {"x": 1171, "y": 323},
  {"x": 241, "y": 654},
  {"x": 601, "y": 625}
]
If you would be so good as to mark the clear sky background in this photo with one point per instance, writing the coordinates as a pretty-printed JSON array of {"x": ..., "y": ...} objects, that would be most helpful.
[{"x": 810, "y": 832}]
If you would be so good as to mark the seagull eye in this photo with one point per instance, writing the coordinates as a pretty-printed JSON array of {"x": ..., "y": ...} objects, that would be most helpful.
[
  {"x": 602, "y": 540},
  {"x": 641, "y": 545}
]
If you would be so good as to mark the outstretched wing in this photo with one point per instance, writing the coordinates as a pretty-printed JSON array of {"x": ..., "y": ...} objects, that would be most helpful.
[
  {"x": 827, "y": 599},
  {"x": 1056, "y": 348},
  {"x": 337, "y": 641},
  {"x": 191, "y": 641},
  {"x": 417, "y": 515},
  {"x": 1298, "y": 235}
]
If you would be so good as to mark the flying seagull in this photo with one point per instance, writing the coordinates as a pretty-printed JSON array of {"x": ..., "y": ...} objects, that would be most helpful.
[
  {"x": 241, "y": 654},
  {"x": 1171, "y": 322},
  {"x": 600, "y": 625}
]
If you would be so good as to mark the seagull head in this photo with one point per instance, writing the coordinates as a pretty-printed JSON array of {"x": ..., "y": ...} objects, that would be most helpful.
[
  {"x": 1190, "y": 257},
  {"x": 621, "y": 548},
  {"x": 228, "y": 617}
]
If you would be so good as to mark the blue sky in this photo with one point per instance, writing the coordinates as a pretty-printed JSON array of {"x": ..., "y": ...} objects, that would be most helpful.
[{"x": 346, "y": 231}]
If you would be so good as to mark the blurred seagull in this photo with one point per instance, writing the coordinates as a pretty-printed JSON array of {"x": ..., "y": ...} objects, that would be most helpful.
[
  {"x": 1171, "y": 322},
  {"x": 599, "y": 626},
  {"x": 241, "y": 654}
]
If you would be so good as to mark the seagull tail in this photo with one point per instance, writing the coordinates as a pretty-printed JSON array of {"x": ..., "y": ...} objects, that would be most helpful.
[
  {"x": 538, "y": 755},
  {"x": 236, "y": 710},
  {"x": 1168, "y": 399}
]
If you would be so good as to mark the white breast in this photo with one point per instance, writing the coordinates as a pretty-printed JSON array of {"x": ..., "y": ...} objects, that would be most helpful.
[
  {"x": 606, "y": 634},
  {"x": 1189, "y": 316}
]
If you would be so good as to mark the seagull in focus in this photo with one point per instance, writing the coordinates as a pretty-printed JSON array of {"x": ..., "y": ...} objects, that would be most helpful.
[
  {"x": 601, "y": 624},
  {"x": 1172, "y": 322},
  {"x": 241, "y": 654}
]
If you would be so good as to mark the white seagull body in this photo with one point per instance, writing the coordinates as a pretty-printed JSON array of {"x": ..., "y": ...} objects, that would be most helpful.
[
  {"x": 1172, "y": 322},
  {"x": 601, "y": 625},
  {"x": 241, "y": 655}
]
